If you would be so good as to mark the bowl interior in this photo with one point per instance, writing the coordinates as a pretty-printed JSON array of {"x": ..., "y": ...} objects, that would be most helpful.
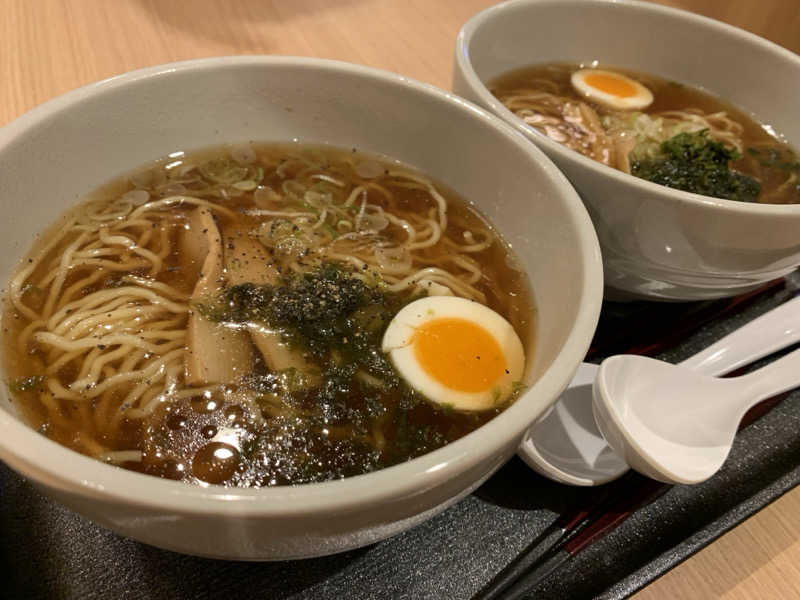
[
  {"x": 59, "y": 152},
  {"x": 755, "y": 75}
]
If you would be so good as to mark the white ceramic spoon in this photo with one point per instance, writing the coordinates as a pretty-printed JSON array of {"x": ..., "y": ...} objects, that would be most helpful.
[
  {"x": 567, "y": 446},
  {"x": 674, "y": 424}
]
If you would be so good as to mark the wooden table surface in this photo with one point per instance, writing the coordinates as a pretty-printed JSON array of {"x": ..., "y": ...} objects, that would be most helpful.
[{"x": 48, "y": 47}]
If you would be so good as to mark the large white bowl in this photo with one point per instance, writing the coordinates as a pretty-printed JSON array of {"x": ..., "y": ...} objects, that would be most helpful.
[
  {"x": 656, "y": 242},
  {"x": 61, "y": 150}
]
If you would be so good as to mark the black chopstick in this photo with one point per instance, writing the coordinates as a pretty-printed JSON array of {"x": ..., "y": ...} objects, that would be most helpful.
[{"x": 571, "y": 533}]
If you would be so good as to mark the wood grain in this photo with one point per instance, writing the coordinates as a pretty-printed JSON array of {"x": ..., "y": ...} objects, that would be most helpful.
[
  {"x": 758, "y": 559},
  {"x": 48, "y": 47}
]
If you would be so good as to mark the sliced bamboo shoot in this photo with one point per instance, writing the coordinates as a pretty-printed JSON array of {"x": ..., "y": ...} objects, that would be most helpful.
[
  {"x": 278, "y": 356},
  {"x": 214, "y": 353},
  {"x": 247, "y": 261}
]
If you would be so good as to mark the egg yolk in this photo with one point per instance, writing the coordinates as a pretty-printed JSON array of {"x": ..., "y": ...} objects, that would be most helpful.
[
  {"x": 459, "y": 354},
  {"x": 616, "y": 86}
]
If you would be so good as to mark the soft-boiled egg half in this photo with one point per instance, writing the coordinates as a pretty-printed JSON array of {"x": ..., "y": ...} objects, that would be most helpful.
[
  {"x": 455, "y": 352},
  {"x": 611, "y": 89}
]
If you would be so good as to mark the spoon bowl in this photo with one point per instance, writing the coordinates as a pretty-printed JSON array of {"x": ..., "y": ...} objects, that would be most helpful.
[
  {"x": 566, "y": 445},
  {"x": 675, "y": 424}
]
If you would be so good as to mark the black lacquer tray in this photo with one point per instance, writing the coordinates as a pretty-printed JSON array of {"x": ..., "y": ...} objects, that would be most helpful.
[{"x": 47, "y": 551}]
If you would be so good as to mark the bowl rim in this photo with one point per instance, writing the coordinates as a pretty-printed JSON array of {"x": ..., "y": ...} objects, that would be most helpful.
[
  {"x": 44, "y": 460},
  {"x": 464, "y": 65}
]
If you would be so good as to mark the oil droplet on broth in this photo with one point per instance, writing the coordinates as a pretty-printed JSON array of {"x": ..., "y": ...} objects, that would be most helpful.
[
  {"x": 205, "y": 404},
  {"x": 176, "y": 421},
  {"x": 172, "y": 469},
  {"x": 209, "y": 431},
  {"x": 234, "y": 412},
  {"x": 216, "y": 462}
]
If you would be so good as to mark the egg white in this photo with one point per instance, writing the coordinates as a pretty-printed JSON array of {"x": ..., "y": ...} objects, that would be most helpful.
[
  {"x": 397, "y": 343},
  {"x": 642, "y": 98}
]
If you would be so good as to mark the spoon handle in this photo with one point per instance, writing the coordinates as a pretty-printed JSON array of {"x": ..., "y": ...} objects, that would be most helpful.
[
  {"x": 777, "y": 377},
  {"x": 762, "y": 336}
]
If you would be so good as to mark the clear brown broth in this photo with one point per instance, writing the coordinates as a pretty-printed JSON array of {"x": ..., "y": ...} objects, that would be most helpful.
[
  {"x": 669, "y": 95},
  {"x": 210, "y": 439}
]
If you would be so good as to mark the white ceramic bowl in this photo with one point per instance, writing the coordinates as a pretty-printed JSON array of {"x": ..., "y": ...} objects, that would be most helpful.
[
  {"x": 656, "y": 242},
  {"x": 65, "y": 148}
]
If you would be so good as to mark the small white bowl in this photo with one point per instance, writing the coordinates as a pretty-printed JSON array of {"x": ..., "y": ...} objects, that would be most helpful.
[
  {"x": 58, "y": 152},
  {"x": 657, "y": 242}
]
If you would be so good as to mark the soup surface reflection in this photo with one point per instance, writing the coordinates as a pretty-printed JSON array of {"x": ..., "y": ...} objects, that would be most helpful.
[{"x": 218, "y": 317}]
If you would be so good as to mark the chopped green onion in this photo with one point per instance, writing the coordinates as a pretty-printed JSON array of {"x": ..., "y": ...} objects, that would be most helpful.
[{"x": 246, "y": 185}]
